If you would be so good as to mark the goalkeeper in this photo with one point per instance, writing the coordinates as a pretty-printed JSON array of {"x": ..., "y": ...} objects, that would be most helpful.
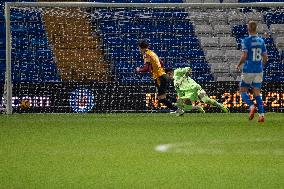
[{"x": 189, "y": 92}]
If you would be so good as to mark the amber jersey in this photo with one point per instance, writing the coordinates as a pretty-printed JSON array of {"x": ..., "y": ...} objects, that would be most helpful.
[{"x": 155, "y": 66}]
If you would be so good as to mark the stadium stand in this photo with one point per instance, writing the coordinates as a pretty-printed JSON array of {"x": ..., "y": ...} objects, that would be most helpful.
[
  {"x": 179, "y": 37},
  {"x": 77, "y": 54},
  {"x": 171, "y": 36},
  {"x": 27, "y": 64},
  {"x": 222, "y": 41}
]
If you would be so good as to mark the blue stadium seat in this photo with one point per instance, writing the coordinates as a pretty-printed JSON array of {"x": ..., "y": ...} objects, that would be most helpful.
[
  {"x": 2, "y": 29},
  {"x": 203, "y": 78},
  {"x": 18, "y": 29},
  {"x": 274, "y": 55},
  {"x": 195, "y": 54},
  {"x": 2, "y": 43},
  {"x": 44, "y": 54},
  {"x": 170, "y": 36},
  {"x": 239, "y": 31},
  {"x": 21, "y": 53},
  {"x": 200, "y": 66},
  {"x": 2, "y": 70},
  {"x": 269, "y": 41},
  {"x": 2, "y": 65},
  {"x": 2, "y": 54},
  {"x": 20, "y": 42},
  {"x": 282, "y": 56},
  {"x": 35, "y": 28},
  {"x": 180, "y": 64},
  {"x": 25, "y": 35},
  {"x": 39, "y": 42},
  {"x": 2, "y": 17},
  {"x": 180, "y": 14},
  {"x": 274, "y": 18},
  {"x": 27, "y": 15}
]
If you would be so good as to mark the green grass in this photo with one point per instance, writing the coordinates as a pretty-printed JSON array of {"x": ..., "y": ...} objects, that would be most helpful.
[{"x": 118, "y": 151}]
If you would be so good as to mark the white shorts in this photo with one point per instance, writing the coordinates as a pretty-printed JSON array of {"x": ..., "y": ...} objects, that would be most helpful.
[{"x": 251, "y": 80}]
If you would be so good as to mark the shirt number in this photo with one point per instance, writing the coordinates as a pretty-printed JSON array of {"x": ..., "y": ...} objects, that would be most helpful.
[{"x": 256, "y": 54}]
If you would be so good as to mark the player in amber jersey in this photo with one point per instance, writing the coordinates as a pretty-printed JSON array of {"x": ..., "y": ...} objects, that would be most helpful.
[{"x": 154, "y": 65}]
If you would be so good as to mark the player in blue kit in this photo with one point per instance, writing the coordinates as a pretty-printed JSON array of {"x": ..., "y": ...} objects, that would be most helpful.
[{"x": 254, "y": 56}]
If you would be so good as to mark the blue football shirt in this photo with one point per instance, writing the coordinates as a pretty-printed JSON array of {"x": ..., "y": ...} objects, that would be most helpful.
[{"x": 255, "y": 48}]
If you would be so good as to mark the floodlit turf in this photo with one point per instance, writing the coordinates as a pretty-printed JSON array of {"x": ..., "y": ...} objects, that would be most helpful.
[{"x": 141, "y": 151}]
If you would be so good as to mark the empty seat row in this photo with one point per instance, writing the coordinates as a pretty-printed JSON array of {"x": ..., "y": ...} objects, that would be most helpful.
[
  {"x": 218, "y": 42},
  {"x": 215, "y": 56},
  {"x": 275, "y": 17},
  {"x": 224, "y": 17}
]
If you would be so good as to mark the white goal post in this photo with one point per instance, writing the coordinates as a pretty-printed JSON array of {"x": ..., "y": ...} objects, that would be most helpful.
[{"x": 8, "y": 5}]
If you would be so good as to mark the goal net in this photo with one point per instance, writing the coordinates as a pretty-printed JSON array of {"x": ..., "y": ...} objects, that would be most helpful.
[{"x": 81, "y": 57}]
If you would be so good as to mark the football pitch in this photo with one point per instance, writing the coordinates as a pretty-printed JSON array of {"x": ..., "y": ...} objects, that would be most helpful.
[{"x": 130, "y": 150}]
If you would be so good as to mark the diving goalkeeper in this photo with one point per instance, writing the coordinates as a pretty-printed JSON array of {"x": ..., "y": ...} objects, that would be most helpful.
[{"x": 189, "y": 92}]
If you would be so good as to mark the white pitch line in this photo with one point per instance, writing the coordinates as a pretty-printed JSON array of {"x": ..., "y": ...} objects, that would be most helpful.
[
  {"x": 191, "y": 148},
  {"x": 163, "y": 147}
]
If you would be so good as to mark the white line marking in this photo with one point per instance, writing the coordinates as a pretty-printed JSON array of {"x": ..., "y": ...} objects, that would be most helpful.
[
  {"x": 163, "y": 147},
  {"x": 218, "y": 147}
]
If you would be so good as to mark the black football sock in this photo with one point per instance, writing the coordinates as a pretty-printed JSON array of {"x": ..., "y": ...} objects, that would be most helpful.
[
  {"x": 169, "y": 104},
  {"x": 172, "y": 99}
]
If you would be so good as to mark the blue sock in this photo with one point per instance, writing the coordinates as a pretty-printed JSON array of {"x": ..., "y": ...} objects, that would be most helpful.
[
  {"x": 259, "y": 104},
  {"x": 246, "y": 98}
]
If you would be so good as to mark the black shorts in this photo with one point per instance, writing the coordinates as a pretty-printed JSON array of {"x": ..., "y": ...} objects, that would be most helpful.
[{"x": 162, "y": 83}]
